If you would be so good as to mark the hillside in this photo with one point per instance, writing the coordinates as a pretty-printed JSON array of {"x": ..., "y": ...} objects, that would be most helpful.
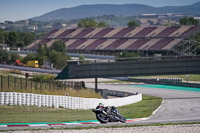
[{"x": 109, "y": 9}]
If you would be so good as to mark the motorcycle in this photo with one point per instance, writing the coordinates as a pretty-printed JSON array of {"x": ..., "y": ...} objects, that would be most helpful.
[{"x": 108, "y": 114}]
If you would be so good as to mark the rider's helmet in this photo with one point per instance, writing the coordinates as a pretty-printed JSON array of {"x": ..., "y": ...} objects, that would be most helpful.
[{"x": 101, "y": 105}]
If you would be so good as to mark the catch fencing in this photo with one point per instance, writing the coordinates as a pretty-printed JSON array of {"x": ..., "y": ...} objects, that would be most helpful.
[
  {"x": 11, "y": 83},
  {"x": 53, "y": 101}
]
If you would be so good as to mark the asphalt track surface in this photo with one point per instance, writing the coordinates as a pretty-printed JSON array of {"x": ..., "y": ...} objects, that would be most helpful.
[{"x": 178, "y": 105}]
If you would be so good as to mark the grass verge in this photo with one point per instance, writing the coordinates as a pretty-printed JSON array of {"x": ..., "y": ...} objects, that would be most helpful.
[{"x": 24, "y": 114}]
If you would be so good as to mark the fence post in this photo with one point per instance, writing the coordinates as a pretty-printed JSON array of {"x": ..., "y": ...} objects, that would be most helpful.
[
  {"x": 49, "y": 85},
  {"x": 40, "y": 85},
  {"x": 45, "y": 85},
  {"x": 70, "y": 85},
  {"x": 15, "y": 82},
  {"x": 21, "y": 83},
  {"x": 26, "y": 84},
  {"x": 53, "y": 85},
  {"x": 79, "y": 85},
  {"x": 31, "y": 86},
  {"x": 8, "y": 82},
  {"x": 65, "y": 85},
  {"x": 35, "y": 85},
  {"x": 56, "y": 85},
  {"x": 1, "y": 82}
]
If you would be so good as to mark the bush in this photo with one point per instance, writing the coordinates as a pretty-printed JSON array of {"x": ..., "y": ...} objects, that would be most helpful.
[{"x": 43, "y": 77}]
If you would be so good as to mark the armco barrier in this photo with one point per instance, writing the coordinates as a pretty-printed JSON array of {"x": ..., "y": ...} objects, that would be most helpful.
[{"x": 29, "y": 99}]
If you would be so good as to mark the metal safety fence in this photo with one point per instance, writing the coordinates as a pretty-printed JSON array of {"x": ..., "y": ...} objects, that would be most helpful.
[{"x": 11, "y": 83}]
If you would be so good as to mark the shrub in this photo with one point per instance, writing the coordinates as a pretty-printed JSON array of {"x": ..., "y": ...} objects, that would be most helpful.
[{"x": 43, "y": 77}]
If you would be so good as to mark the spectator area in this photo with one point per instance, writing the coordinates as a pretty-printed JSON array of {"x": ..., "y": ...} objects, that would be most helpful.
[{"x": 111, "y": 39}]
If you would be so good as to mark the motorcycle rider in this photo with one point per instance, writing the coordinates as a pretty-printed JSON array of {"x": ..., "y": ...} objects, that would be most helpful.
[{"x": 107, "y": 110}]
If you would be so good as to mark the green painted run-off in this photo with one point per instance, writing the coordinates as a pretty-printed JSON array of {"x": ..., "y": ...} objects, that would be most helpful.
[
  {"x": 169, "y": 87},
  {"x": 47, "y": 122}
]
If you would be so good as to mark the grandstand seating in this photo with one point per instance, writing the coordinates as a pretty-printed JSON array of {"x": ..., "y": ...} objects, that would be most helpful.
[
  {"x": 172, "y": 44},
  {"x": 54, "y": 35},
  {"x": 103, "y": 32},
  {"x": 66, "y": 33},
  {"x": 168, "y": 31},
  {"x": 190, "y": 31},
  {"x": 135, "y": 31},
  {"x": 123, "y": 32},
  {"x": 113, "y": 32},
  {"x": 105, "y": 44},
  {"x": 84, "y": 32},
  {"x": 50, "y": 43},
  {"x": 148, "y": 44},
  {"x": 126, "y": 44},
  {"x": 160, "y": 44},
  {"x": 31, "y": 46},
  {"x": 115, "y": 44},
  {"x": 76, "y": 43},
  {"x": 69, "y": 42},
  {"x": 130, "y": 38},
  {"x": 180, "y": 31},
  {"x": 50, "y": 33},
  {"x": 95, "y": 44},
  {"x": 145, "y": 32},
  {"x": 137, "y": 44},
  {"x": 156, "y": 31},
  {"x": 85, "y": 44}
]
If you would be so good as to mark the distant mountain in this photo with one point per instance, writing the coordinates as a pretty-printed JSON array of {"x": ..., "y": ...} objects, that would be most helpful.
[{"x": 109, "y": 9}]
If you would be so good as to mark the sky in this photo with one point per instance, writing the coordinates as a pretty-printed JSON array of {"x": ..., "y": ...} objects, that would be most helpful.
[{"x": 14, "y": 10}]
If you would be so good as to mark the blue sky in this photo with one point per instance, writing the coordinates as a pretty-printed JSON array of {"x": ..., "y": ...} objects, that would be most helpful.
[{"x": 23, "y": 9}]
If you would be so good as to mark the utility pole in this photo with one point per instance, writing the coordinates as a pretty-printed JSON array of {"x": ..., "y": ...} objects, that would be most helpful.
[{"x": 35, "y": 31}]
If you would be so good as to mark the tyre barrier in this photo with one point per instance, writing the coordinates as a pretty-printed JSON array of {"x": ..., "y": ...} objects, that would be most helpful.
[{"x": 53, "y": 101}]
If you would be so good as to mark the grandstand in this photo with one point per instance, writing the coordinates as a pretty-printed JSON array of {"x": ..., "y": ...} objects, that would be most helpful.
[{"x": 160, "y": 39}]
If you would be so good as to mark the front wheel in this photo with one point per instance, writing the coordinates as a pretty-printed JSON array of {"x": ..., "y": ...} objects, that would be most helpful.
[
  {"x": 122, "y": 118},
  {"x": 102, "y": 118}
]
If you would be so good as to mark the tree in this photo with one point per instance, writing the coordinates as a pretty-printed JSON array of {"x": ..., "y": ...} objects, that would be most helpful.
[
  {"x": 58, "y": 59},
  {"x": 133, "y": 24},
  {"x": 87, "y": 23},
  {"x": 13, "y": 38},
  {"x": 102, "y": 25},
  {"x": 3, "y": 56},
  {"x": 6, "y": 40},
  {"x": 29, "y": 57},
  {"x": 26, "y": 37},
  {"x": 20, "y": 44},
  {"x": 188, "y": 21},
  {"x": 168, "y": 24},
  {"x": 12, "y": 57},
  {"x": 2, "y": 38},
  {"x": 59, "y": 46},
  {"x": 41, "y": 51},
  {"x": 42, "y": 54},
  {"x": 81, "y": 57},
  {"x": 8, "y": 58}
]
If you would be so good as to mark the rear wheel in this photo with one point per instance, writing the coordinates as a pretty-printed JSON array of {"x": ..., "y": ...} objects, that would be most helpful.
[{"x": 102, "y": 118}]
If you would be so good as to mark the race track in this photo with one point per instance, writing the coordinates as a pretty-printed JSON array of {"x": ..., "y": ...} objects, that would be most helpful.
[{"x": 178, "y": 105}]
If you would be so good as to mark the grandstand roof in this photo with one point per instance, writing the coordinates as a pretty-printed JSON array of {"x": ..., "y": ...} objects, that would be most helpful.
[{"x": 158, "y": 38}]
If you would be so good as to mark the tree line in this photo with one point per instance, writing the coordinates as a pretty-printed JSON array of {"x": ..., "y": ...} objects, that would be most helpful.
[
  {"x": 56, "y": 54},
  {"x": 16, "y": 39}
]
